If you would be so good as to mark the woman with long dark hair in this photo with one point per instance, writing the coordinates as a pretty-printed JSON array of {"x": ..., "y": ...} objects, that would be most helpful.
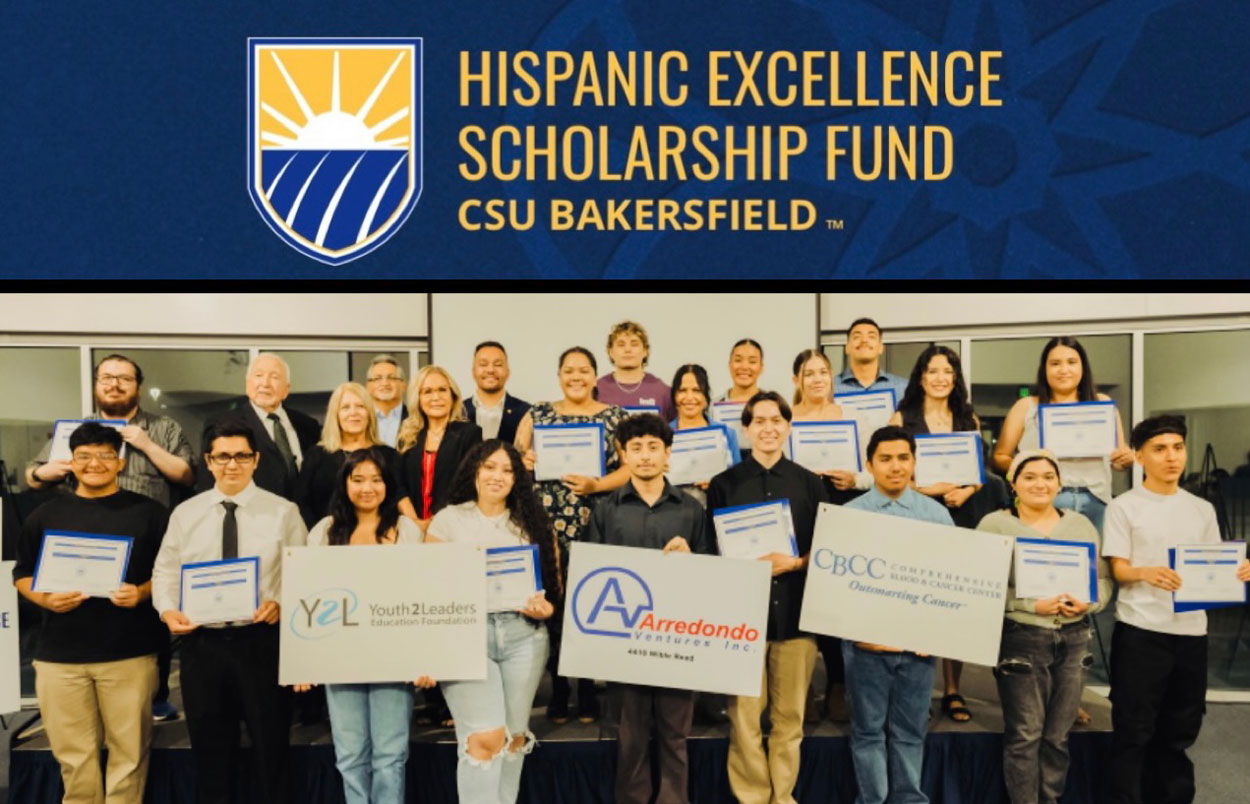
[
  {"x": 1064, "y": 376},
  {"x": 936, "y": 401},
  {"x": 569, "y": 500},
  {"x": 369, "y": 722},
  {"x": 691, "y": 396},
  {"x": 493, "y": 504}
]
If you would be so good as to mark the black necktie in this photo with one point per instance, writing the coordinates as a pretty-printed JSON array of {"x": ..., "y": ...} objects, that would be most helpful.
[
  {"x": 283, "y": 445},
  {"x": 230, "y": 532}
]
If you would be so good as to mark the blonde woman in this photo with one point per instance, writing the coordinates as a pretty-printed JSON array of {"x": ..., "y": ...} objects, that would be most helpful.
[
  {"x": 434, "y": 439},
  {"x": 350, "y": 424}
]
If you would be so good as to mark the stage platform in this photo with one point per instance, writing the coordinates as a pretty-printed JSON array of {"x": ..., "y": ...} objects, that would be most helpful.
[{"x": 575, "y": 764}]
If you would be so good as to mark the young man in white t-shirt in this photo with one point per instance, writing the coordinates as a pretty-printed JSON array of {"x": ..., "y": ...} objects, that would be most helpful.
[{"x": 1158, "y": 656}]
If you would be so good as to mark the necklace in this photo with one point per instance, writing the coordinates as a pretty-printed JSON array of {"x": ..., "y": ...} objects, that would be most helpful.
[{"x": 628, "y": 389}]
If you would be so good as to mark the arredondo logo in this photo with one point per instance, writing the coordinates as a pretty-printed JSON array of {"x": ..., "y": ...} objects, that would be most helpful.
[
  {"x": 334, "y": 140},
  {"x": 617, "y": 602},
  {"x": 329, "y": 611}
]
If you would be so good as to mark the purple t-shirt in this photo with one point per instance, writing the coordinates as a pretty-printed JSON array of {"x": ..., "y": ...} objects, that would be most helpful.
[{"x": 652, "y": 392}]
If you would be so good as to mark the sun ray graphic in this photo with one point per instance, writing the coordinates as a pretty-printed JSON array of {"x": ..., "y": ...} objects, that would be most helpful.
[{"x": 336, "y": 135}]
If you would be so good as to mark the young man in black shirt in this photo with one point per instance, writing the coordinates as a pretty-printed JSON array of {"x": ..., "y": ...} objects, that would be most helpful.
[
  {"x": 95, "y": 664},
  {"x": 650, "y": 512},
  {"x": 768, "y": 476}
]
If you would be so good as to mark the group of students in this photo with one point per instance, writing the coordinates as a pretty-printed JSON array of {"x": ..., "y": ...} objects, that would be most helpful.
[{"x": 462, "y": 471}]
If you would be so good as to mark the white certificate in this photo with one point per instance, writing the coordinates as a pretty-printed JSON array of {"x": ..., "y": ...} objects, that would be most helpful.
[
  {"x": 1046, "y": 568},
  {"x": 1078, "y": 429},
  {"x": 699, "y": 454},
  {"x": 634, "y": 410},
  {"x": 90, "y": 563},
  {"x": 871, "y": 411},
  {"x": 64, "y": 428},
  {"x": 755, "y": 530},
  {"x": 824, "y": 446},
  {"x": 512, "y": 576},
  {"x": 568, "y": 449},
  {"x": 730, "y": 415},
  {"x": 220, "y": 591},
  {"x": 1208, "y": 575},
  {"x": 949, "y": 458}
]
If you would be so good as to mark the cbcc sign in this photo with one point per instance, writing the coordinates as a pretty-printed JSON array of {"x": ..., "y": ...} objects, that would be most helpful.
[{"x": 857, "y": 564}]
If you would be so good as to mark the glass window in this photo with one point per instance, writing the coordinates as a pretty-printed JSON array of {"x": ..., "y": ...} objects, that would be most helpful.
[
  {"x": 899, "y": 358},
  {"x": 1205, "y": 377},
  {"x": 47, "y": 387},
  {"x": 189, "y": 385}
]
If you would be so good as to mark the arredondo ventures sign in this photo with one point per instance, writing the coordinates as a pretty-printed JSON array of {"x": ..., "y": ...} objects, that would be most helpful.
[
  {"x": 930, "y": 588},
  {"x": 388, "y": 613},
  {"x": 670, "y": 620}
]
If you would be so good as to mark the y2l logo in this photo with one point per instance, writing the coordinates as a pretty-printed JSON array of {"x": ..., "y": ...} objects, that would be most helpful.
[
  {"x": 334, "y": 140},
  {"x": 322, "y": 614},
  {"x": 610, "y": 601}
]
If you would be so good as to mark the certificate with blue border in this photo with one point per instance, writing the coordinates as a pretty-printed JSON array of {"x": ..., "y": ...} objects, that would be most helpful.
[
  {"x": 1050, "y": 567},
  {"x": 224, "y": 591},
  {"x": 92, "y": 563},
  {"x": 62, "y": 429},
  {"x": 634, "y": 410},
  {"x": 870, "y": 409},
  {"x": 513, "y": 576},
  {"x": 698, "y": 454},
  {"x": 825, "y": 446},
  {"x": 569, "y": 449},
  {"x": 949, "y": 458},
  {"x": 1208, "y": 575},
  {"x": 1078, "y": 429},
  {"x": 755, "y": 530}
]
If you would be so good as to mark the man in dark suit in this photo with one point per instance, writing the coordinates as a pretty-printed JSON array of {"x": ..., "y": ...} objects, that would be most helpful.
[
  {"x": 385, "y": 383},
  {"x": 493, "y": 409},
  {"x": 282, "y": 435}
]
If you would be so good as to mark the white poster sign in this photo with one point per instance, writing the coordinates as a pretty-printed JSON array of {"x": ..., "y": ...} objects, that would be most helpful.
[
  {"x": 928, "y": 588},
  {"x": 10, "y": 667},
  {"x": 353, "y": 614},
  {"x": 640, "y": 616}
]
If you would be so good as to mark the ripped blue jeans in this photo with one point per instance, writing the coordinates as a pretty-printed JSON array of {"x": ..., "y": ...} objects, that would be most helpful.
[
  {"x": 1040, "y": 673},
  {"x": 516, "y": 652}
]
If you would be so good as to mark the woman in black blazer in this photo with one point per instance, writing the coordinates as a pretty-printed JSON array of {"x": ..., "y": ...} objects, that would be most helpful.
[{"x": 433, "y": 440}]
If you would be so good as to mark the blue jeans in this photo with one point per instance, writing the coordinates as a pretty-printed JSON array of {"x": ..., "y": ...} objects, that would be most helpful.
[
  {"x": 370, "y": 727},
  {"x": 1082, "y": 500},
  {"x": 516, "y": 652},
  {"x": 888, "y": 691}
]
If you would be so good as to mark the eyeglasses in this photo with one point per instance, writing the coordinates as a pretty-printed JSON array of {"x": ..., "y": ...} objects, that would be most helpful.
[
  {"x": 84, "y": 458},
  {"x": 224, "y": 458},
  {"x": 384, "y": 378},
  {"x": 120, "y": 379}
]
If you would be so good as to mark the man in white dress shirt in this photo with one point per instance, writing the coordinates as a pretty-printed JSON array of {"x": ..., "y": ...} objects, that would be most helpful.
[{"x": 230, "y": 671}]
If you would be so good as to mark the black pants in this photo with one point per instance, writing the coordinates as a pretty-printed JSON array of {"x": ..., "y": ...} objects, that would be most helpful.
[
  {"x": 1158, "y": 698},
  {"x": 666, "y": 713},
  {"x": 228, "y": 675}
]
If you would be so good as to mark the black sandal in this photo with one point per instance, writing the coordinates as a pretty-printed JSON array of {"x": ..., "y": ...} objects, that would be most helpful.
[{"x": 956, "y": 708}]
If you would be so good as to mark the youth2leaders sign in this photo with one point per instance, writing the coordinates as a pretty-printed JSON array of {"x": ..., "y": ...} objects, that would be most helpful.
[
  {"x": 928, "y": 588},
  {"x": 390, "y": 613},
  {"x": 640, "y": 616}
]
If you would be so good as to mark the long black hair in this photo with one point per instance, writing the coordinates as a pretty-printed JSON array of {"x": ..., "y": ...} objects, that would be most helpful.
[
  {"x": 343, "y": 513},
  {"x": 700, "y": 378},
  {"x": 963, "y": 418},
  {"x": 524, "y": 510},
  {"x": 1085, "y": 390}
]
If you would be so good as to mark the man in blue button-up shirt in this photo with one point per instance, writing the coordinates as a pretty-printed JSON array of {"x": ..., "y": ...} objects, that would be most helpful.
[
  {"x": 864, "y": 348},
  {"x": 886, "y": 685}
]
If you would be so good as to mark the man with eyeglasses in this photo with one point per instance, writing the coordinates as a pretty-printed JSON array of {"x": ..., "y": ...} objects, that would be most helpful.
[
  {"x": 385, "y": 382},
  {"x": 230, "y": 671},
  {"x": 95, "y": 662},
  {"x": 282, "y": 435},
  {"x": 158, "y": 454}
]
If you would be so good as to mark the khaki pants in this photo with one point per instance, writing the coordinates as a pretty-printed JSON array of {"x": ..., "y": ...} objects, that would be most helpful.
[
  {"x": 754, "y": 777},
  {"x": 84, "y": 703}
]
